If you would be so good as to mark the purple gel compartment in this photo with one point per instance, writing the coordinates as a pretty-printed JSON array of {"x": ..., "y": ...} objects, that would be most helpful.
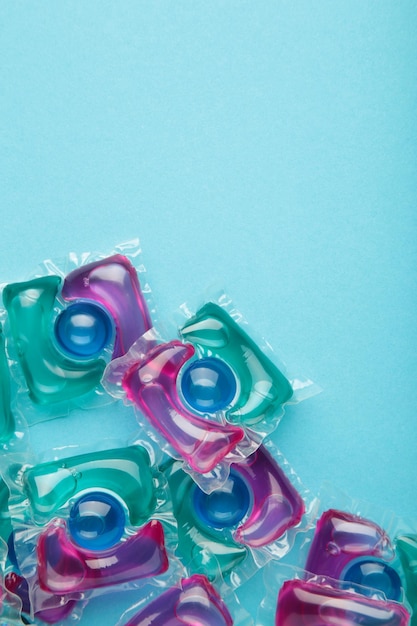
[
  {"x": 47, "y": 607},
  {"x": 303, "y": 603},
  {"x": 276, "y": 504},
  {"x": 112, "y": 283},
  {"x": 354, "y": 550},
  {"x": 17, "y": 585},
  {"x": 194, "y": 603},
  {"x": 64, "y": 567},
  {"x": 151, "y": 385}
]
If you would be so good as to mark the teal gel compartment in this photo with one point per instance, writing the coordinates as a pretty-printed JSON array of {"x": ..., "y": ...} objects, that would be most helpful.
[
  {"x": 5, "y": 521},
  {"x": 262, "y": 388},
  {"x": 407, "y": 549},
  {"x": 201, "y": 537},
  {"x": 7, "y": 422},
  {"x": 50, "y": 375},
  {"x": 123, "y": 471}
]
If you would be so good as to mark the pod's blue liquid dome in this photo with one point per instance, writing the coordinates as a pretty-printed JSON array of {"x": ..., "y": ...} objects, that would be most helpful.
[
  {"x": 208, "y": 385},
  {"x": 83, "y": 329},
  {"x": 374, "y": 574},
  {"x": 224, "y": 507},
  {"x": 96, "y": 521}
]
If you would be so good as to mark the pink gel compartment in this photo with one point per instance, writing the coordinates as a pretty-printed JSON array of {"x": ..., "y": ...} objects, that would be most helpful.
[
  {"x": 303, "y": 603},
  {"x": 66, "y": 568},
  {"x": 151, "y": 384}
]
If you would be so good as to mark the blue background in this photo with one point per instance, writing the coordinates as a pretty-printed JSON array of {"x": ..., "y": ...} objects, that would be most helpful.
[{"x": 269, "y": 146}]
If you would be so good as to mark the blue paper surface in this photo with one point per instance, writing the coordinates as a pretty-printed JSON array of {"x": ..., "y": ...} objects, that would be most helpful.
[{"x": 270, "y": 147}]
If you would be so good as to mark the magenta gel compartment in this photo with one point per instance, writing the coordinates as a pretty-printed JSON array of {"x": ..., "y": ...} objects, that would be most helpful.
[
  {"x": 151, "y": 384},
  {"x": 194, "y": 603},
  {"x": 10, "y": 602},
  {"x": 302, "y": 603},
  {"x": 47, "y": 607},
  {"x": 66, "y": 568},
  {"x": 354, "y": 551}
]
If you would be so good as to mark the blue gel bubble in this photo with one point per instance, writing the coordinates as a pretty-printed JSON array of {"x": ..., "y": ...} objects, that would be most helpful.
[
  {"x": 83, "y": 329},
  {"x": 374, "y": 574},
  {"x": 96, "y": 521},
  {"x": 208, "y": 385},
  {"x": 224, "y": 507}
]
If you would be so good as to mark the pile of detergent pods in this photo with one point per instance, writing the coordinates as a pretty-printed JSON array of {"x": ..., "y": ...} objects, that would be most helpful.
[{"x": 200, "y": 501}]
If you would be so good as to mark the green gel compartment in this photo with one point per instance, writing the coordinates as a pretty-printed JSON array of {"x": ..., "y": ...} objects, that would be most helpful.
[
  {"x": 122, "y": 471},
  {"x": 51, "y": 375},
  {"x": 7, "y": 421}
]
